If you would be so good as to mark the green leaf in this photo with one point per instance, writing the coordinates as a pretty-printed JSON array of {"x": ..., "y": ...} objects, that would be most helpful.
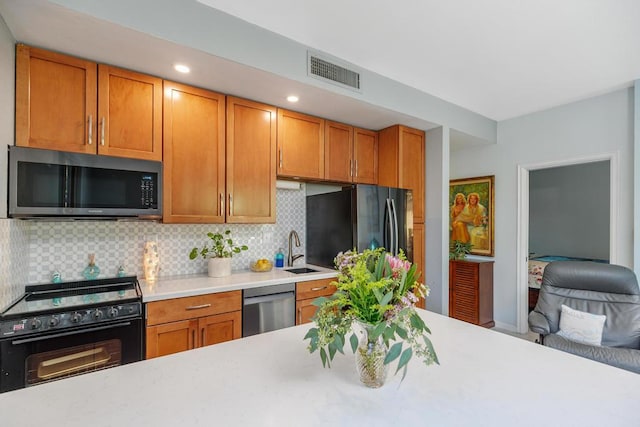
[
  {"x": 429, "y": 345},
  {"x": 417, "y": 322},
  {"x": 377, "y": 331},
  {"x": 313, "y": 332},
  {"x": 405, "y": 358},
  {"x": 401, "y": 332},
  {"x": 354, "y": 342},
  {"x": 404, "y": 373},
  {"x": 332, "y": 350},
  {"x": 193, "y": 254},
  {"x": 319, "y": 301},
  {"x": 339, "y": 343},
  {"x": 387, "y": 298},
  {"x": 393, "y": 353},
  {"x": 389, "y": 332},
  {"x": 323, "y": 356}
]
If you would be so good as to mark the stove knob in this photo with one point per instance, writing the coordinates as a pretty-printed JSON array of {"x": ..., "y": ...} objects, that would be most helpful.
[
  {"x": 113, "y": 312},
  {"x": 76, "y": 317},
  {"x": 54, "y": 321},
  {"x": 97, "y": 315},
  {"x": 36, "y": 323}
]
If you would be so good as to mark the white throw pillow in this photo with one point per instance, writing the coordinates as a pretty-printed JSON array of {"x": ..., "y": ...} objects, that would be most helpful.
[{"x": 582, "y": 327}]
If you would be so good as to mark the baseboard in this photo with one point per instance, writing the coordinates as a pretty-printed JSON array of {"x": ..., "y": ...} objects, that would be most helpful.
[{"x": 506, "y": 327}]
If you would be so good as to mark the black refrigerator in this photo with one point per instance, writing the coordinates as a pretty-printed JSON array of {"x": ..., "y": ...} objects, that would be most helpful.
[{"x": 361, "y": 217}]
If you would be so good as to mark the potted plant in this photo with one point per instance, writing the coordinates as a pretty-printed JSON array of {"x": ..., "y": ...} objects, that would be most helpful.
[
  {"x": 459, "y": 250},
  {"x": 219, "y": 254}
]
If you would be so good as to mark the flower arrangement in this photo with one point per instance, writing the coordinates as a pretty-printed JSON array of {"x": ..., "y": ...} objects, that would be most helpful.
[{"x": 379, "y": 292}]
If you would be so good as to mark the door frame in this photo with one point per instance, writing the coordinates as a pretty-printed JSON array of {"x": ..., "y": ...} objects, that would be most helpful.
[{"x": 522, "y": 251}]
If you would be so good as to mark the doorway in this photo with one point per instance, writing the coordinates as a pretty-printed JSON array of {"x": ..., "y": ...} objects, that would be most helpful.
[{"x": 523, "y": 223}]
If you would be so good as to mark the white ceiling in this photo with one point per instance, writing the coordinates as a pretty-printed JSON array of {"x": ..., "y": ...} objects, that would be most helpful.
[{"x": 498, "y": 58}]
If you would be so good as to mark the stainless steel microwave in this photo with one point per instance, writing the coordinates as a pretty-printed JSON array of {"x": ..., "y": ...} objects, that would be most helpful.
[{"x": 55, "y": 184}]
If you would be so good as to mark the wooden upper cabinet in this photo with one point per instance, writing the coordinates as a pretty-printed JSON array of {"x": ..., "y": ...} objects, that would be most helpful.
[
  {"x": 71, "y": 104},
  {"x": 129, "y": 113},
  {"x": 351, "y": 154},
  {"x": 365, "y": 154},
  {"x": 194, "y": 155},
  {"x": 338, "y": 152},
  {"x": 251, "y": 162},
  {"x": 401, "y": 151},
  {"x": 300, "y": 145},
  {"x": 56, "y": 101}
]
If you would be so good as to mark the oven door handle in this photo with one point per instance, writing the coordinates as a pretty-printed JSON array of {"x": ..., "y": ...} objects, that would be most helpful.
[{"x": 66, "y": 334}]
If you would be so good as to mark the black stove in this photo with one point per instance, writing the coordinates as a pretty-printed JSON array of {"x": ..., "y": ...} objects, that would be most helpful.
[
  {"x": 65, "y": 329},
  {"x": 60, "y": 306}
]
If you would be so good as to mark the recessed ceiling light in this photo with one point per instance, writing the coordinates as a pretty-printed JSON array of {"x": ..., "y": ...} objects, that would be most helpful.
[
  {"x": 292, "y": 98},
  {"x": 181, "y": 68}
]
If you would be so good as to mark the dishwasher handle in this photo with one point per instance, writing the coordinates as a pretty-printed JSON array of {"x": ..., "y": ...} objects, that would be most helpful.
[{"x": 268, "y": 298}]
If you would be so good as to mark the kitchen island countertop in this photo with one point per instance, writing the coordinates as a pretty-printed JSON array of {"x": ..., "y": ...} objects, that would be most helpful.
[
  {"x": 191, "y": 285},
  {"x": 485, "y": 378}
]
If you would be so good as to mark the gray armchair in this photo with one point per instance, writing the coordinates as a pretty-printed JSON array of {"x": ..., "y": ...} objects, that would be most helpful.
[{"x": 602, "y": 289}]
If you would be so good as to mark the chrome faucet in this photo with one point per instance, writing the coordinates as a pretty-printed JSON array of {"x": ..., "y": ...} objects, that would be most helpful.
[{"x": 292, "y": 257}]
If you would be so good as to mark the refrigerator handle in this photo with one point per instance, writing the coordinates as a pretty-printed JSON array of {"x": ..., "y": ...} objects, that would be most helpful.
[
  {"x": 395, "y": 223},
  {"x": 389, "y": 209}
]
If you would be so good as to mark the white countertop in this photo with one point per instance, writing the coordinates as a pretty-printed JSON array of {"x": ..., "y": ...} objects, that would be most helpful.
[
  {"x": 485, "y": 379},
  {"x": 185, "y": 286}
]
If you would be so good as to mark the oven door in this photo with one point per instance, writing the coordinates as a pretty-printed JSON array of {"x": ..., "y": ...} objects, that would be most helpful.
[{"x": 32, "y": 360}]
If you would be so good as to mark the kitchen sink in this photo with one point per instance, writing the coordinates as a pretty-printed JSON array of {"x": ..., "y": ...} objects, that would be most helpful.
[{"x": 301, "y": 270}]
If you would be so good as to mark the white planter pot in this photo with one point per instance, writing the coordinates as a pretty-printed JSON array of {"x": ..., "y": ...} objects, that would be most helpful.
[{"x": 219, "y": 267}]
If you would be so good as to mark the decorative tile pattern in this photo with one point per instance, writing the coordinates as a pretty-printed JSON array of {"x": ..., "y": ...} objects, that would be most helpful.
[
  {"x": 65, "y": 246},
  {"x": 14, "y": 260}
]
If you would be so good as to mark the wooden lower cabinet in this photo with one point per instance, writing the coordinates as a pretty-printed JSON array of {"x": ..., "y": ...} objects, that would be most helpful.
[
  {"x": 182, "y": 324},
  {"x": 471, "y": 292},
  {"x": 306, "y": 292},
  {"x": 418, "y": 256}
]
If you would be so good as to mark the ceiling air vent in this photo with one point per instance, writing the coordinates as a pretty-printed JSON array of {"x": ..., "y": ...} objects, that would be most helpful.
[{"x": 324, "y": 70}]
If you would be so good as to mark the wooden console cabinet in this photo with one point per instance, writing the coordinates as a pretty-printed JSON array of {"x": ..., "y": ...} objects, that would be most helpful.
[{"x": 471, "y": 292}]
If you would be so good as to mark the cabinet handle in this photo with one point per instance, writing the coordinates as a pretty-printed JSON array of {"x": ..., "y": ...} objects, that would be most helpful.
[
  {"x": 221, "y": 204},
  {"x": 319, "y": 289},
  {"x": 197, "y": 307},
  {"x": 356, "y": 168},
  {"x": 280, "y": 158},
  {"x": 351, "y": 168},
  {"x": 230, "y": 205},
  {"x": 90, "y": 140},
  {"x": 102, "y": 132},
  {"x": 300, "y": 316}
]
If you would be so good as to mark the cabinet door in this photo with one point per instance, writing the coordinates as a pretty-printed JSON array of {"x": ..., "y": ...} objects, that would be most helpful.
[
  {"x": 388, "y": 149},
  {"x": 169, "y": 338},
  {"x": 338, "y": 152},
  {"x": 251, "y": 162},
  {"x": 56, "y": 101},
  {"x": 130, "y": 114},
  {"x": 418, "y": 255},
  {"x": 305, "y": 310},
  {"x": 194, "y": 155},
  {"x": 365, "y": 155},
  {"x": 411, "y": 168},
  {"x": 463, "y": 291},
  {"x": 300, "y": 145},
  {"x": 220, "y": 328}
]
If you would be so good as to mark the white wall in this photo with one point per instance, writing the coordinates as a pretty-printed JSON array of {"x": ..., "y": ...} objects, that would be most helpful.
[
  {"x": 569, "y": 210},
  {"x": 7, "y": 106},
  {"x": 590, "y": 127}
]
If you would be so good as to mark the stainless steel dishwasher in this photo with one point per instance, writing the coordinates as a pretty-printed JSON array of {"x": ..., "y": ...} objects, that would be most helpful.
[{"x": 268, "y": 308}]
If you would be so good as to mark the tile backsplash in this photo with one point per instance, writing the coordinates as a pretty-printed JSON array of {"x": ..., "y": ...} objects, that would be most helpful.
[{"x": 37, "y": 249}]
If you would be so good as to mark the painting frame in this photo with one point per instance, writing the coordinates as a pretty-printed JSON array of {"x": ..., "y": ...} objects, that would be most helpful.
[{"x": 474, "y": 222}]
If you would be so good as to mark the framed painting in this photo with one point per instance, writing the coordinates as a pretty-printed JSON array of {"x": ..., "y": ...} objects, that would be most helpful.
[{"x": 471, "y": 213}]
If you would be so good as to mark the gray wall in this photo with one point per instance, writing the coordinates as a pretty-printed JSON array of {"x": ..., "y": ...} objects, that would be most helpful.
[
  {"x": 569, "y": 210},
  {"x": 7, "y": 106},
  {"x": 593, "y": 127}
]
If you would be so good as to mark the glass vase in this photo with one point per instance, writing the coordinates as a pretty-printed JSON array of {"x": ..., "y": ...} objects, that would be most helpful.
[{"x": 370, "y": 356}]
